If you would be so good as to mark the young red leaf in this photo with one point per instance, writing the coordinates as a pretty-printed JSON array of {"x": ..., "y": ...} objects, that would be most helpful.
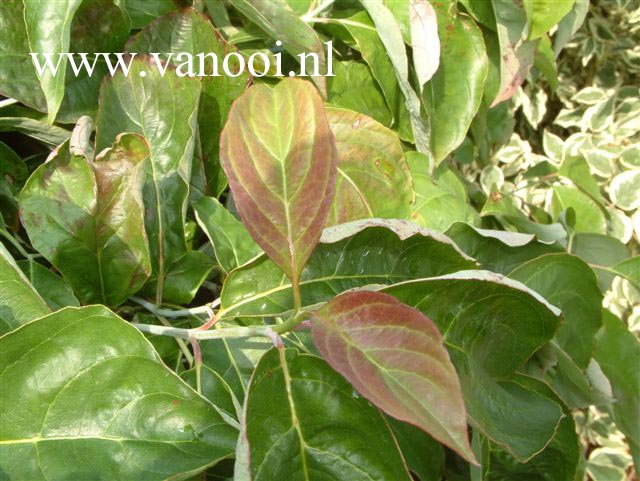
[
  {"x": 394, "y": 356},
  {"x": 280, "y": 157}
]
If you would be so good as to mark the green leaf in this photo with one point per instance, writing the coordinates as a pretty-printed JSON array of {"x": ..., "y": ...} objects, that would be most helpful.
[
  {"x": 278, "y": 151},
  {"x": 577, "y": 170},
  {"x": 355, "y": 88},
  {"x": 482, "y": 12},
  {"x": 130, "y": 104},
  {"x": 372, "y": 251},
  {"x": 54, "y": 290},
  {"x": 51, "y": 135},
  {"x": 570, "y": 24},
  {"x": 18, "y": 78},
  {"x": 441, "y": 198},
  {"x": 424, "y": 455},
  {"x": 569, "y": 284},
  {"x": 48, "y": 28},
  {"x": 394, "y": 356},
  {"x": 373, "y": 51},
  {"x": 516, "y": 54},
  {"x": 543, "y": 15},
  {"x": 589, "y": 215},
  {"x": 62, "y": 430},
  {"x": 321, "y": 428},
  {"x": 19, "y": 301},
  {"x": 453, "y": 95},
  {"x": 143, "y": 12},
  {"x": 475, "y": 311},
  {"x": 557, "y": 462},
  {"x": 231, "y": 241},
  {"x": 496, "y": 250},
  {"x": 93, "y": 231},
  {"x": 618, "y": 353},
  {"x": 190, "y": 32},
  {"x": 281, "y": 23},
  {"x": 601, "y": 252},
  {"x": 629, "y": 269},
  {"x": 373, "y": 178},
  {"x": 184, "y": 277},
  {"x": 391, "y": 37}
]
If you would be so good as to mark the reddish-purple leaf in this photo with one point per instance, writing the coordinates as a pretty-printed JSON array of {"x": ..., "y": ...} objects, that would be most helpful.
[
  {"x": 280, "y": 157},
  {"x": 395, "y": 357}
]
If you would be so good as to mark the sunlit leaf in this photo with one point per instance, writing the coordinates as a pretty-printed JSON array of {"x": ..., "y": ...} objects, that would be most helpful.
[
  {"x": 273, "y": 176},
  {"x": 394, "y": 356}
]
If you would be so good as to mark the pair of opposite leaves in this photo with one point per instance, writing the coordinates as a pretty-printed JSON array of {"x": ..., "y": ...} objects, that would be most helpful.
[{"x": 279, "y": 154}]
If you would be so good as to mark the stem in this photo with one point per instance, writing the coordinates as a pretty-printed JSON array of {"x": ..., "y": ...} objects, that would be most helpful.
[
  {"x": 181, "y": 344},
  {"x": 199, "y": 334},
  {"x": 15, "y": 244},
  {"x": 290, "y": 323},
  {"x": 206, "y": 309},
  {"x": 197, "y": 356},
  {"x": 319, "y": 9}
]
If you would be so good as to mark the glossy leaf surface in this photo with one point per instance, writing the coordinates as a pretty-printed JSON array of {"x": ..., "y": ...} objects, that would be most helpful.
[
  {"x": 273, "y": 176},
  {"x": 130, "y": 103},
  {"x": 372, "y": 251},
  {"x": 57, "y": 428},
  {"x": 95, "y": 234},
  {"x": 394, "y": 356},
  {"x": 475, "y": 311},
  {"x": 321, "y": 429},
  {"x": 373, "y": 178},
  {"x": 19, "y": 301}
]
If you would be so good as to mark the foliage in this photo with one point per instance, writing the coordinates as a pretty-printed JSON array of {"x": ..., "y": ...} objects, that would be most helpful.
[{"x": 424, "y": 267}]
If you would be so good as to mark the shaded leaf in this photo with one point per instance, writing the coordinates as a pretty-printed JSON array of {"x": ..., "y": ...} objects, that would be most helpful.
[
  {"x": 372, "y": 251},
  {"x": 62, "y": 430},
  {"x": 93, "y": 232},
  {"x": 321, "y": 429},
  {"x": 54, "y": 290},
  {"x": 394, "y": 356},
  {"x": 569, "y": 284},
  {"x": 425, "y": 456},
  {"x": 19, "y": 301},
  {"x": 231, "y": 241},
  {"x": 618, "y": 353},
  {"x": 272, "y": 176}
]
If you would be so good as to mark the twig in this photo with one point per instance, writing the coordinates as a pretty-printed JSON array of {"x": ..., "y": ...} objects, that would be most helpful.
[
  {"x": 193, "y": 311},
  {"x": 199, "y": 334}
]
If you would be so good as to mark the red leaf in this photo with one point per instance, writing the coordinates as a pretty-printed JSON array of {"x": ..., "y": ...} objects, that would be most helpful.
[
  {"x": 394, "y": 356},
  {"x": 280, "y": 157}
]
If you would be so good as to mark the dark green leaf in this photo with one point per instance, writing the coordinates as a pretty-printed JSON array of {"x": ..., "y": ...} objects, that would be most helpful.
[
  {"x": 53, "y": 289},
  {"x": 350, "y": 255},
  {"x": 321, "y": 428},
  {"x": 58, "y": 428}
]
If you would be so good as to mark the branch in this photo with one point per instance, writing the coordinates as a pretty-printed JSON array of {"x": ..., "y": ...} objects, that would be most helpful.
[
  {"x": 200, "y": 335},
  {"x": 206, "y": 309}
]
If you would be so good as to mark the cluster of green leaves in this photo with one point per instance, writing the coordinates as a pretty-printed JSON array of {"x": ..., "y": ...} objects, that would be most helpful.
[{"x": 379, "y": 315}]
